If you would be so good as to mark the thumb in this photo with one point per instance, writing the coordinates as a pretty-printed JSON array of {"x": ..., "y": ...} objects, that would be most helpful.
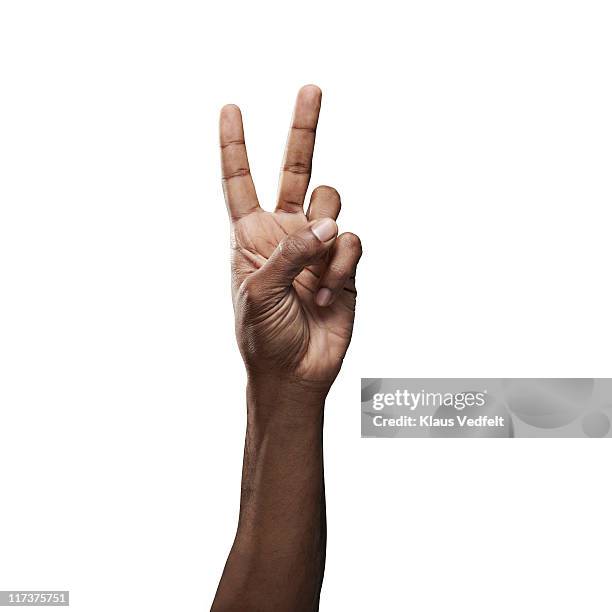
[{"x": 297, "y": 251}]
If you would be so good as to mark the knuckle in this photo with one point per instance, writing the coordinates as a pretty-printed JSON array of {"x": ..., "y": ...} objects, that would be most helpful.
[
  {"x": 297, "y": 167},
  {"x": 237, "y": 173},
  {"x": 352, "y": 242},
  {"x": 337, "y": 271}
]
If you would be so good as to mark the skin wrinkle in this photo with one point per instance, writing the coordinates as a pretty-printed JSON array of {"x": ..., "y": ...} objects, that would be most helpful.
[
  {"x": 229, "y": 143},
  {"x": 280, "y": 225},
  {"x": 304, "y": 128},
  {"x": 297, "y": 281},
  {"x": 293, "y": 204},
  {"x": 240, "y": 172},
  {"x": 235, "y": 218},
  {"x": 297, "y": 168},
  {"x": 253, "y": 256},
  {"x": 293, "y": 350}
]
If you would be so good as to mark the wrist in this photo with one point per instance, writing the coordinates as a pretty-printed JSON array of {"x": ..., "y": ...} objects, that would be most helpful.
[
  {"x": 283, "y": 465},
  {"x": 285, "y": 397}
]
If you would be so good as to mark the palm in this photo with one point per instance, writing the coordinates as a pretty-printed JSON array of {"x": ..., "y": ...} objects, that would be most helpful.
[
  {"x": 308, "y": 338},
  {"x": 329, "y": 329}
]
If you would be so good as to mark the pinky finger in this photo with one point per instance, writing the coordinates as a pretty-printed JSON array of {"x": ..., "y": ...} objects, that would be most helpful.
[{"x": 340, "y": 272}]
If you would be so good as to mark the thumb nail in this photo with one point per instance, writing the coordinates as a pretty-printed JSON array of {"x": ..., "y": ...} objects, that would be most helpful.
[{"x": 325, "y": 229}]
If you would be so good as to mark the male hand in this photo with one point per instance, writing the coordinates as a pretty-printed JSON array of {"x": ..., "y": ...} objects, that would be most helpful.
[{"x": 293, "y": 276}]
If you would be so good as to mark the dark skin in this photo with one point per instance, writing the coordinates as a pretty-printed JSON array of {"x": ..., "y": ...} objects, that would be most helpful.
[{"x": 293, "y": 289}]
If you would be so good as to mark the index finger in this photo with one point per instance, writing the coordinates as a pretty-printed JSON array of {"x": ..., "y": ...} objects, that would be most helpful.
[
  {"x": 297, "y": 163},
  {"x": 238, "y": 187}
]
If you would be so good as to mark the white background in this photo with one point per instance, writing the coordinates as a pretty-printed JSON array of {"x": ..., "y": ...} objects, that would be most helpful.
[{"x": 471, "y": 143}]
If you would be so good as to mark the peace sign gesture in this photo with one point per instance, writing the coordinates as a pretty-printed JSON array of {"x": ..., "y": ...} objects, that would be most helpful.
[{"x": 293, "y": 275}]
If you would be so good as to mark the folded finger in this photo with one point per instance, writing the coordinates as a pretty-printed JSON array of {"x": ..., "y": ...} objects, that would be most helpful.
[
  {"x": 339, "y": 275},
  {"x": 324, "y": 202}
]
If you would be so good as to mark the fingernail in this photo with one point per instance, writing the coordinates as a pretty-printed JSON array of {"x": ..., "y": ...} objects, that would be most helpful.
[
  {"x": 325, "y": 229},
  {"x": 323, "y": 297}
]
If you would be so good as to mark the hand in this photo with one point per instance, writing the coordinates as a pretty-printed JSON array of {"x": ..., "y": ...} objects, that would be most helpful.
[{"x": 293, "y": 277}]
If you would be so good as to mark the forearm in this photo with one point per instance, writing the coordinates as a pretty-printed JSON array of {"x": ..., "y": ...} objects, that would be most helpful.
[{"x": 277, "y": 560}]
